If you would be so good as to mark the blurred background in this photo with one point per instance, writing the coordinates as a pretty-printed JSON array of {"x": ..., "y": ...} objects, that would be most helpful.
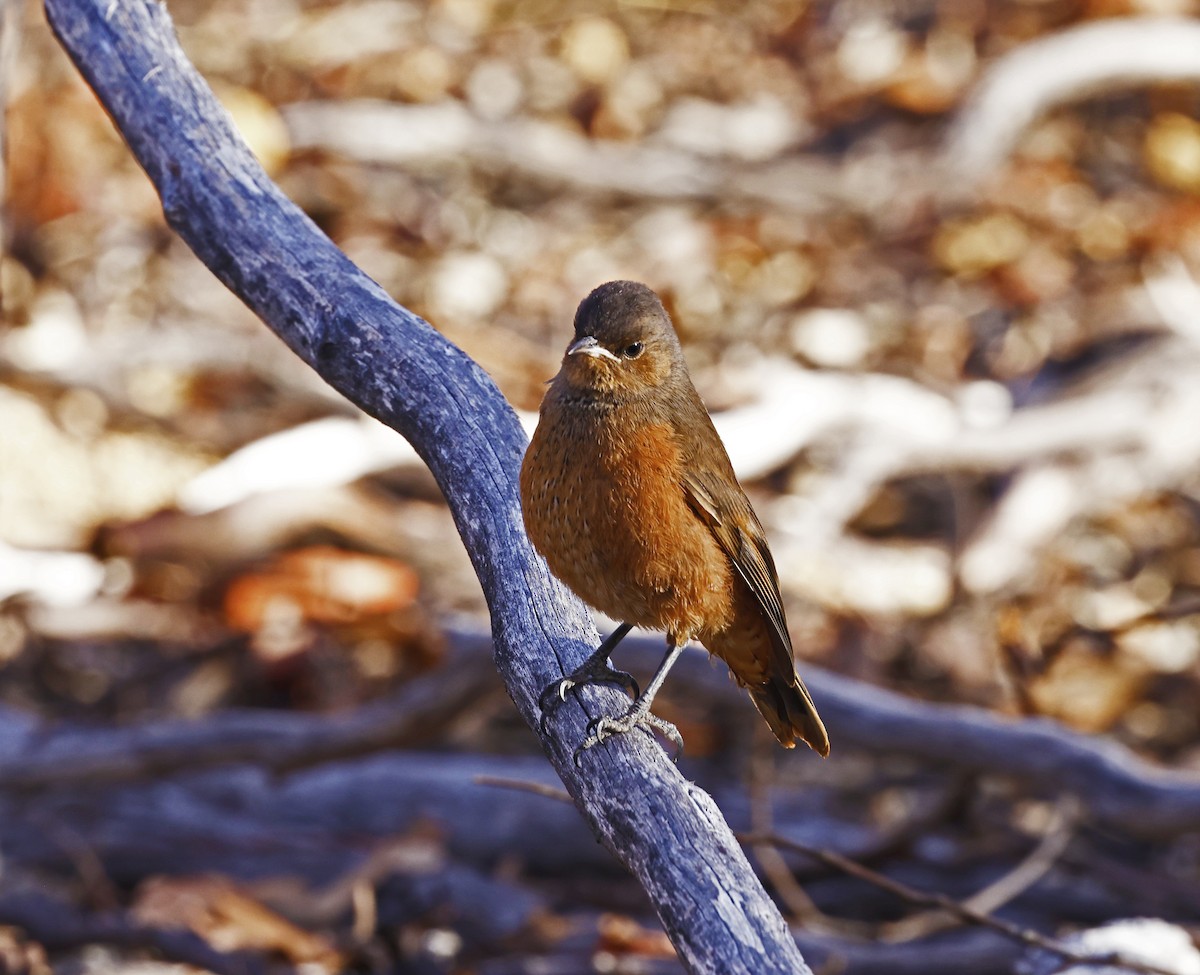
[{"x": 933, "y": 265}]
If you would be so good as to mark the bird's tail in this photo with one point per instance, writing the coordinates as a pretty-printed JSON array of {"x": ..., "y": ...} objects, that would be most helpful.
[{"x": 790, "y": 712}]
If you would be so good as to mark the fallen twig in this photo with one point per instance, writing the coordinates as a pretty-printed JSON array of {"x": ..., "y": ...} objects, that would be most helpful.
[
  {"x": 949, "y": 905},
  {"x": 1005, "y": 888}
]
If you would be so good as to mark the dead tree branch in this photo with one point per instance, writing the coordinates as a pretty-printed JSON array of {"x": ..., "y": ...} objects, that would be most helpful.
[
  {"x": 397, "y": 368},
  {"x": 1117, "y": 789}
]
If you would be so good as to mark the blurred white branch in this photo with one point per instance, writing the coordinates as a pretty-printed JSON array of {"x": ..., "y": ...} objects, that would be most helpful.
[
  {"x": 390, "y": 134},
  {"x": 329, "y": 452},
  {"x": 52, "y": 578},
  {"x": 1131, "y": 433},
  {"x": 1080, "y": 61},
  {"x": 1141, "y": 430},
  {"x": 1175, "y": 295}
]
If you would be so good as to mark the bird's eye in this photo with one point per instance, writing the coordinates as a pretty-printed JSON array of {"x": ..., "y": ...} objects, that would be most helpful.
[{"x": 633, "y": 350}]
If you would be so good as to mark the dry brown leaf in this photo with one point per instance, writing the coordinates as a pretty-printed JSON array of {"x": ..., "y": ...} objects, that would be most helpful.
[
  {"x": 1087, "y": 689},
  {"x": 229, "y": 919},
  {"x": 322, "y": 584},
  {"x": 623, "y": 935}
]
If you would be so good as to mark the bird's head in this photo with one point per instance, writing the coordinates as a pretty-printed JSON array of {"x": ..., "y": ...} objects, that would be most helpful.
[{"x": 624, "y": 342}]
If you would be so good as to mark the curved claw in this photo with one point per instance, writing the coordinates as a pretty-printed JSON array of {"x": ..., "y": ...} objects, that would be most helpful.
[
  {"x": 597, "y": 731},
  {"x": 623, "y": 680},
  {"x": 555, "y": 693},
  {"x": 668, "y": 731},
  {"x": 608, "y": 676},
  {"x": 552, "y": 696}
]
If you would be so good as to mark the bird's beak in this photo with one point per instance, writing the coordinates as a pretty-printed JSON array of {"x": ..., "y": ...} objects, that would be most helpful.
[{"x": 589, "y": 346}]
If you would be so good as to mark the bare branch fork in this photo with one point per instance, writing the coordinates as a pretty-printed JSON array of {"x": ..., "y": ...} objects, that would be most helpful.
[{"x": 669, "y": 833}]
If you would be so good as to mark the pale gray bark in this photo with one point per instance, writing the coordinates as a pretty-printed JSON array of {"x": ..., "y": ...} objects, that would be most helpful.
[{"x": 668, "y": 832}]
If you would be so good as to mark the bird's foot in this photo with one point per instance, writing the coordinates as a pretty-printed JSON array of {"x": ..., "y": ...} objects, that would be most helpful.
[
  {"x": 592, "y": 672},
  {"x": 638, "y": 716}
]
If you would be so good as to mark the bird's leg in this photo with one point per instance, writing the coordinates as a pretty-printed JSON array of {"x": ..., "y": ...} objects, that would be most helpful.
[
  {"x": 639, "y": 714},
  {"x": 594, "y": 670}
]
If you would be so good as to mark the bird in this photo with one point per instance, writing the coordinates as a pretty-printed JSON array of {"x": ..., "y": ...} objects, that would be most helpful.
[{"x": 629, "y": 495}]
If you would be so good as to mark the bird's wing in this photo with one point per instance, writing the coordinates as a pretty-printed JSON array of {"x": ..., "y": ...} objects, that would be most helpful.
[{"x": 724, "y": 508}]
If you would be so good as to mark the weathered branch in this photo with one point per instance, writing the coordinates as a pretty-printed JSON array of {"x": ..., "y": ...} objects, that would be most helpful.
[
  {"x": 249, "y": 824},
  {"x": 277, "y": 741},
  {"x": 1118, "y": 790},
  {"x": 398, "y": 369}
]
